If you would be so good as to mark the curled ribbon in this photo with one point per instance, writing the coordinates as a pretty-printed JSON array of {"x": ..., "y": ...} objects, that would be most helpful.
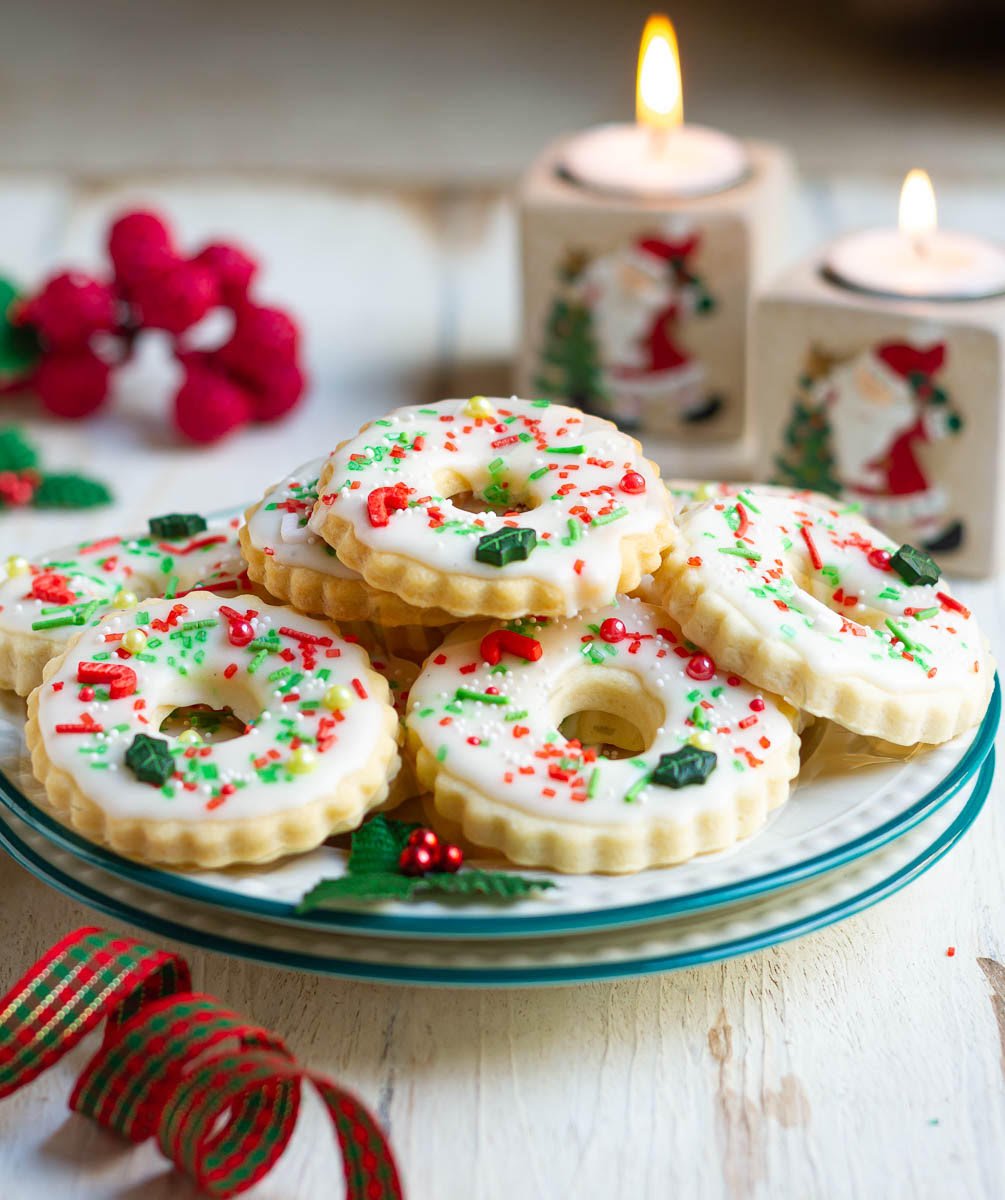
[{"x": 220, "y": 1095}]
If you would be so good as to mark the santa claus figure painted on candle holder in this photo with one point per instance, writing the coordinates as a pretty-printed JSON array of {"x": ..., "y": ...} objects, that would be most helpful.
[
  {"x": 616, "y": 336},
  {"x": 861, "y": 427}
]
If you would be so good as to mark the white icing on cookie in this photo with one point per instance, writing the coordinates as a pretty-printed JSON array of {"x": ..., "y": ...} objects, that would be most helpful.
[
  {"x": 53, "y": 595},
  {"x": 278, "y": 526},
  {"x": 814, "y": 575},
  {"x": 496, "y": 727},
  {"x": 301, "y": 740},
  {"x": 575, "y": 480}
]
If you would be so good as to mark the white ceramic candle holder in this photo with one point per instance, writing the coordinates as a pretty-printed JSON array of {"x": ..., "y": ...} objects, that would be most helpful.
[
  {"x": 895, "y": 404},
  {"x": 638, "y": 308}
]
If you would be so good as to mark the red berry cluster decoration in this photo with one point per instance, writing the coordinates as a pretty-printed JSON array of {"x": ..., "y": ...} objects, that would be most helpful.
[
  {"x": 425, "y": 852},
  {"x": 85, "y": 327}
]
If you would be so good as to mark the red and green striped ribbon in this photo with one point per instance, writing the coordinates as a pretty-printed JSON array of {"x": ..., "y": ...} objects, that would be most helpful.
[{"x": 220, "y": 1095}]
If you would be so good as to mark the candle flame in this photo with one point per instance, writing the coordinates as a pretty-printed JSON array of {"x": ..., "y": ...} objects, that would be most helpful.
[
  {"x": 917, "y": 205},
  {"x": 659, "y": 97}
]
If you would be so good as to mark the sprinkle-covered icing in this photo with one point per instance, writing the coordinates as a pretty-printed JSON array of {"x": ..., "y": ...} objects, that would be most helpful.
[
  {"x": 495, "y": 726},
  {"x": 278, "y": 526},
  {"x": 311, "y": 721},
  {"x": 561, "y": 489},
  {"x": 813, "y": 575},
  {"x": 57, "y": 593}
]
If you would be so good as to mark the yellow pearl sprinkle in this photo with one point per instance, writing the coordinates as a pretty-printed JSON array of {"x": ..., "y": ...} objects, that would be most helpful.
[
  {"x": 702, "y": 740},
  {"x": 478, "y": 406},
  {"x": 704, "y": 491},
  {"x": 301, "y": 761},
  {"x": 134, "y": 640},
  {"x": 16, "y": 565},
  {"x": 124, "y": 598},
  {"x": 337, "y": 697},
  {"x": 190, "y": 737}
]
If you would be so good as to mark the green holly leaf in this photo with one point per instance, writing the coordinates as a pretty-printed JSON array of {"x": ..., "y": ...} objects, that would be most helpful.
[
  {"x": 150, "y": 759},
  {"x": 16, "y": 453},
  {"x": 377, "y": 845},
  {"x": 474, "y": 882},
  {"x": 374, "y": 885},
  {"x": 70, "y": 491},
  {"x": 19, "y": 346}
]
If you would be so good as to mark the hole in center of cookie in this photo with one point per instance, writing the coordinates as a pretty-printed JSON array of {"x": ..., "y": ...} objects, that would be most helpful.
[
  {"x": 500, "y": 494},
  {"x": 211, "y": 724},
  {"x": 607, "y": 711}
]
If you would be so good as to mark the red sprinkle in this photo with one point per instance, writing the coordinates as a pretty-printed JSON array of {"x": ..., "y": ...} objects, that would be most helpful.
[
  {"x": 382, "y": 501},
  {"x": 700, "y": 667},
  {"x": 952, "y": 604},
  {"x": 505, "y": 641},
  {"x": 360, "y": 690},
  {"x": 951, "y": 952},
  {"x": 815, "y": 558}
]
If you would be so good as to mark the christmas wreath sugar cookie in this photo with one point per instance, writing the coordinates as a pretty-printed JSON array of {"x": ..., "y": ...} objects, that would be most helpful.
[
  {"x": 297, "y": 566},
  {"x": 44, "y": 601},
  {"x": 494, "y": 507},
  {"x": 503, "y": 716},
  {"x": 316, "y": 752},
  {"x": 803, "y": 597}
]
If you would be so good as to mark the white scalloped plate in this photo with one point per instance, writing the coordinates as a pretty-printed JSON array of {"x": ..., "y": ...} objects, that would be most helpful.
[
  {"x": 644, "y": 949},
  {"x": 848, "y": 803}
]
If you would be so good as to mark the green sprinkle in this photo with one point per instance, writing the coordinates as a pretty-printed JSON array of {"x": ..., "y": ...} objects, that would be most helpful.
[
  {"x": 565, "y": 449},
  {"x": 257, "y": 661},
  {"x": 740, "y": 552},
  {"x": 633, "y": 792},
  {"x": 56, "y": 622},
  {"x": 926, "y": 614},
  {"x": 575, "y": 532},
  {"x": 208, "y": 623},
  {"x": 172, "y": 588},
  {"x": 481, "y": 697},
  {"x": 591, "y": 787},
  {"x": 539, "y": 472},
  {"x": 618, "y": 513},
  {"x": 142, "y": 618},
  {"x": 900, "y": 634},
  {"x": 515, "y": 716},
  {"x": 441, "y": 754},
  {"x": 281, "y": 673}
]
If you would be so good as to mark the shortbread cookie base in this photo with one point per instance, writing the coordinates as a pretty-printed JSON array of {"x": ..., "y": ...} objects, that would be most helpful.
[
  {"x": 857, "y": 704},
  {"x": 22, "y": 660},
  {"x": 467, "y": 595},
  {"x": 316, "y": 594},
  {"x": 217, "y": 843},
  {"x": 580, "y": 849}
]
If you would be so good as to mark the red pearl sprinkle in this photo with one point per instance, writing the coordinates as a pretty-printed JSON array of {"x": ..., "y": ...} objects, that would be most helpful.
[
  {"x": 415, "y": 860},
  {"x": 700, "y": 667},
  {"x": 633, "y": 483},
  {"x": 880, "y": 559},
  {"x": 86, "y": 693},
  {"x": 613, "y": 630},
  {"x": 241, "y": 632},
  {"x": 757, "y": 704},
  {"x": 451, "y": 858},
  {"x": 733, "y": 680}
]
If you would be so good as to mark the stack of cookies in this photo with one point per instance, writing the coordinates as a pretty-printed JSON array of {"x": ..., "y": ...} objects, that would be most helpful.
[{"x": 498, "y": 607}]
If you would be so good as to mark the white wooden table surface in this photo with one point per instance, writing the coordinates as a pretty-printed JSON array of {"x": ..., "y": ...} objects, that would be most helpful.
[{"x": 860, "y": 1062}]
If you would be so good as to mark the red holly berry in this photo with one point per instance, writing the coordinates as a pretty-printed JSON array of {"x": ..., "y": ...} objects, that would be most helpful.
[
  {"x": 451, "y": 857},
  {"x": 613, "y": 630},
  {"x": 416, "y": 860},
  {"x": 880, "y": 559},
  {"x": 232, "y": 269},
  {"x": 208, "y": 405},
  {"x": 277, "y": 390},
  {"x": 71, "y": 384},
  {"x": 425, "y": 837},
  {"x": 633, "y": 483},
  {"x": 69, "y": 309},
  {"x": 177, "y": 298},
  {"x": 261, "y": 336},
  {"x": 17, "y": 487},
  {"x": 700, "y": 667},
  {"x": 140, "y": 246}
]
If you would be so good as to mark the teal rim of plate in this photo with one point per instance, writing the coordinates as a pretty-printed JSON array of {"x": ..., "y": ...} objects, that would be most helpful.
[
  {"x": 526, "y": 924},
  {"x": 522, "y": 976}
]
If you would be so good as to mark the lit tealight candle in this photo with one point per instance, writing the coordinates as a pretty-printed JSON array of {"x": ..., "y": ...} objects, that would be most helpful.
[
  {"x": 658, "y": 156},
  {"x": 918, "y": 261}
]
